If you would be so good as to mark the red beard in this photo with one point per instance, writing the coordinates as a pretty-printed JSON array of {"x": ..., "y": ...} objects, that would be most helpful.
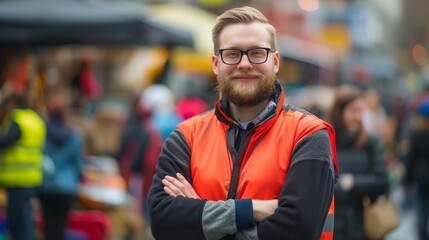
[{"x": 246, "y": 93}]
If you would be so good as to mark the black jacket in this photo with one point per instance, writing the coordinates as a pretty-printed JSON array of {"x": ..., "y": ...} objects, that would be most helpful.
[
  {"x": 367, "y": 165},
  {"x": 418, "y": 163}
]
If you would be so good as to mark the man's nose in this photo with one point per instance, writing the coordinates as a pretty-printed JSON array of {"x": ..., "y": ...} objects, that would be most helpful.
[{"x": 245, "y": 62}]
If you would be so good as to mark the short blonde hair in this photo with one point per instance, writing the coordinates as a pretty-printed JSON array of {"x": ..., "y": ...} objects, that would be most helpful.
[{"x": 245, "y": 15}]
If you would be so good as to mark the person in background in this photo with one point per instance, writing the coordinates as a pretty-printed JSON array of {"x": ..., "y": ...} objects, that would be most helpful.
[
  {"x": 22, "y": 136},
  {"x": 361, "y": 160},
  {"x": 417, "y": 168},
  {"x": 253, "y": 168},
  {"x": 160, "y": 100},
  {"x": 63, "y": 168},
  {"x": 138, "y": 153},
  {"x": 87, "y": 86}
]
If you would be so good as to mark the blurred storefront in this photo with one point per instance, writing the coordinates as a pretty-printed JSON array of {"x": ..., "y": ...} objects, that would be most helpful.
[{"x": 43, "y": 46}]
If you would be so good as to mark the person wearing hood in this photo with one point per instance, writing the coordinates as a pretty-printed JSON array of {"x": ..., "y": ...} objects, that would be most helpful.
[{"x": 63, "y": 165}]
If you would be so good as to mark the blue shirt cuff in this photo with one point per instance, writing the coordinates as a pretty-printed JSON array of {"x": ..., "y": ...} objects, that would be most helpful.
[{"x": 244, "y": 214}]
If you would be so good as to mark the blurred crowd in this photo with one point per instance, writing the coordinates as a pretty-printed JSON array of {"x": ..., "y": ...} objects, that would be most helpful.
[
  {"x": 98, "y": 158},
  {"x": 85, "y": 164}
]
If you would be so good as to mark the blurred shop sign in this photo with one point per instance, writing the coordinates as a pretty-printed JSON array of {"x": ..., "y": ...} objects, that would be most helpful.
[
  {"x": 364, "y": 28},
  {"x": 305, "y": 62},
  {"x": 190, "y": 61},
  {"x": 367, "y": 69},
  {"x": 306, "y": 51},
  {"x": 336, "y": 37}
]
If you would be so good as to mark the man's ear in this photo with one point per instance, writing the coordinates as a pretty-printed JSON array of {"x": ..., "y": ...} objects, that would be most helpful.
[
  {"x": 215, "y": 64},
  {"x": 276, "y": 62}
]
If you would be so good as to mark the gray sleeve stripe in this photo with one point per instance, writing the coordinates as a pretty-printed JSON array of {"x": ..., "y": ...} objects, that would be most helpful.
[
  {"x": 219, "y": 219},
  {"x": 329, "y": 223}
]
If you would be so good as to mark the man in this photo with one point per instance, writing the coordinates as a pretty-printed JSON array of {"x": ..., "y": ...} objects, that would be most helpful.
[
  {"x": 252, "y": 168},
  {"x": 22, "y": 135}
]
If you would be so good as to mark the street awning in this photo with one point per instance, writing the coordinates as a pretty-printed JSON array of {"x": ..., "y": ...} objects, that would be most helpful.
[{"x": 54, "y": 22}]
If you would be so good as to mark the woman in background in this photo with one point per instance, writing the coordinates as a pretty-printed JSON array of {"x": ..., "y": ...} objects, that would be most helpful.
[{"x": 361, "y": 161}]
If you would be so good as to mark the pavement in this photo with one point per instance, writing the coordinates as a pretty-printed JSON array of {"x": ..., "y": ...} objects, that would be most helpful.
[{"x": 407, "y": 229}]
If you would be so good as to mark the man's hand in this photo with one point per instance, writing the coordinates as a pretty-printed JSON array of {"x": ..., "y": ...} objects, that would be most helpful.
[
  {"x": 263, "y": 209},
  {"x": 179, "y": 187}
]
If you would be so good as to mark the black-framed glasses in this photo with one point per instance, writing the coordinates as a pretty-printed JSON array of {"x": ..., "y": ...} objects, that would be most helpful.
[{"x": 233, "y": 56}]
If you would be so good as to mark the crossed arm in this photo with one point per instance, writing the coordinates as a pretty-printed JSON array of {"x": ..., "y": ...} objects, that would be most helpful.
[
  {"x": 179, "y": 186},
  {"x": 177, "y": 212}
]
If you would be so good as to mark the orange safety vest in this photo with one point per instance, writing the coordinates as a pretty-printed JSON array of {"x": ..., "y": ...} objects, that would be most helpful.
[{"x": 211, "y": 177}]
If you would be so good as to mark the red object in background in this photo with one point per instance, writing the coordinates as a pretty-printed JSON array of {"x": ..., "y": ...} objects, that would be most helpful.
[
  {"x": 89, "y": 84},
  {"x": 360, "y": 73},
  {"x": 149, "y": 159},
  {"x": 95, "y": 224},
  {"x": 17, "y": 73},
  {"x": 2, "y": 221},
  {"x": 189, "y": 107}
]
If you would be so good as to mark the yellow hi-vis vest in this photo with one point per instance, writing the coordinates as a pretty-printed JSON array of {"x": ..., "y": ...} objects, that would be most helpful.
[{"x": 21, "y": 163}]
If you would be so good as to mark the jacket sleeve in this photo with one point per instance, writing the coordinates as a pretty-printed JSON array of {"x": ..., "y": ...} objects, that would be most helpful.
[
  {"x": 307, "y": 193},
  {"x": 186, "y": 218},
  {"x": 412, "y": 157},
  {"x": 12, "y": 135},
  {"x": 79, "y": 156},
  {"x": 174, "y": 217},
  {"x": 375, "y": 183}
]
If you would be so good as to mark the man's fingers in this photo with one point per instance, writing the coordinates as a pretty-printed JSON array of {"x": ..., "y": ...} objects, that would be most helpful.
[
  {"x": 171, "y": 184},
  {"x": 183, "y": 180},
  {"x": 179, "y": 186},
  {"x": 182, "y": 185},
  {"x": 168, "y": 190},
  {"x": 190, "y": 192}
]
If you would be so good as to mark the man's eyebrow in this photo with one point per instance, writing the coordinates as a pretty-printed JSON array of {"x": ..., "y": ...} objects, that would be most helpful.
[{"x": 238, "y": 48}]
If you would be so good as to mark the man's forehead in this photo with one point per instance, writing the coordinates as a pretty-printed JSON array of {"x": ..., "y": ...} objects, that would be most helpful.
[{"x": 248, "y": 34}]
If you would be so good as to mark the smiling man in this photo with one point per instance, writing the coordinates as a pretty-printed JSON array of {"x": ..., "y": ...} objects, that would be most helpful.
[{"x": 254, "y": 167}]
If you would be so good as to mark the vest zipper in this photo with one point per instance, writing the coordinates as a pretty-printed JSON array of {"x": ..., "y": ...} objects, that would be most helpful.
[{"x": 237, "y": 158}]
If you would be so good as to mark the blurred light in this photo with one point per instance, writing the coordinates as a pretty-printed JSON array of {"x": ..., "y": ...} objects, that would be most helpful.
[
  {"x": 419, "y": 54},
  {"x": 213, "y": 3},
  {"x": 309, "y": 5}
]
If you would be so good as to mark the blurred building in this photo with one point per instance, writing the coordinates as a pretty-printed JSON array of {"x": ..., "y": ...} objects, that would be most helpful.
[{"x": 415, "y": 24}]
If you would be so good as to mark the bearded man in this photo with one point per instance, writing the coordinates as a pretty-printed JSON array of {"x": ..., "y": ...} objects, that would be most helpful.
[{"x": 254, "y": 167}]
